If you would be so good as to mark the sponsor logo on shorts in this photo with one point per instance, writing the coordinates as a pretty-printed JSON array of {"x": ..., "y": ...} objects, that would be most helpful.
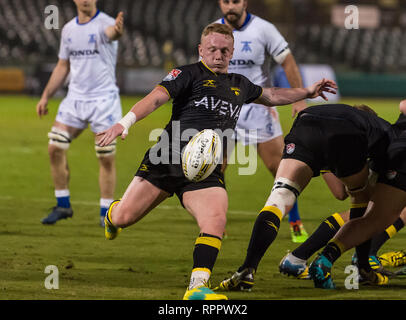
[{"x": 290, "y": 148}]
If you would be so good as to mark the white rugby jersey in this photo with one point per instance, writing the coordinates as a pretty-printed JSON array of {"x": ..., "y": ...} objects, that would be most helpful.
[
  {"x": 254, "y": 44},
  {"x": 92, "y": 56}
]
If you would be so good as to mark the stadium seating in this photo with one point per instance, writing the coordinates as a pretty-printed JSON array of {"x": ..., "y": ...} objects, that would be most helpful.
[
  {"x": 164, "y": 33},
  {"x": 155, "y": 30}
]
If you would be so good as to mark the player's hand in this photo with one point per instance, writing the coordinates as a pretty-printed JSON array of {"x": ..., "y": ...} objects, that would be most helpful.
[
  {"x": 297, "y": 107},
  {"x": 106, "y": 137},
  {"x": 42, "y": 108},
  {"x": 119, "y": 26},
  {"x": 318, "y": 89}
]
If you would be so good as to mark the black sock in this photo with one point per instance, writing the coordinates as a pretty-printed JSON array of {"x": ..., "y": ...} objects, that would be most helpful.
[
  {"x": 323, "y": 234},
  {"x": 206, "y": 250},
  {"x": 380, "y": 239},
  {"x": 332, "y": 251},
  {"x": 363, "y": 249},
  {"x": 264, "y": 232}
]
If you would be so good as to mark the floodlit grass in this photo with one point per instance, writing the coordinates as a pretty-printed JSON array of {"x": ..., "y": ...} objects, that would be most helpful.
[{"x": 152, "y": 259}]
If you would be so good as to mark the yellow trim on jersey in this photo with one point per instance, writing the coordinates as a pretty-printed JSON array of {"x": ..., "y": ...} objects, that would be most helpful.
[
  {"x": 274, "y": 210},
  {"x": 325, "y": 171},
  {"x": 208, "y": 67},
  {"x": 209, "y": 241},
  {"x": 169, "y": 95},
  {"x": 391, "y": 231},
  {"x": 338, "y": 218},
  {"x": 359, "y": 205}
]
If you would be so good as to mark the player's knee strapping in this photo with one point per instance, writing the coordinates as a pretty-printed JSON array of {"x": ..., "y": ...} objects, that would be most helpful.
[
  {"x": 106, "y": 151},
  {"x": 59, "y": 138},
  {"x": 284, "y": 194}
]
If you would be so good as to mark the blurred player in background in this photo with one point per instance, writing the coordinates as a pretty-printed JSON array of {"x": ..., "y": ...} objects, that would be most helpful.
[
  {"x": 256, "y": 42},
  {"x": 88, "y": 51}
]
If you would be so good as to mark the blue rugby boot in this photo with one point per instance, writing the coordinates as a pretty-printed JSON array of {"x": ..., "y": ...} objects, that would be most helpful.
[
  {"x": 320, "y": 272},
  {"x": 297, "y": 270},
  {"x": 56, "y": 214}
]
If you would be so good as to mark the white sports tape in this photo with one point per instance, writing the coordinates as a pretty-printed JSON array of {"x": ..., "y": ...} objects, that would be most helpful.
[
  {"x": 280, "y": 58},
  {"x": 284, "y": 193},
  {"x": 127, "y": 121},
  {"x": 59, "y": 138}
]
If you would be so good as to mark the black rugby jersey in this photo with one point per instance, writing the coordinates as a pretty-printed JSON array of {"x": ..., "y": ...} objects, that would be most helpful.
[
  {"x": 203, "y": 99},
  {"x": 379, "y": 132}
]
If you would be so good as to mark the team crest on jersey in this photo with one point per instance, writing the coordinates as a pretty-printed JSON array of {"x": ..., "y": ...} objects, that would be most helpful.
[
  {"x": 92, "y": 38},
  {"x": 246, "y": 46},
  {"x": 290, "y": 148},
  {"x": 172, "y": 75}
]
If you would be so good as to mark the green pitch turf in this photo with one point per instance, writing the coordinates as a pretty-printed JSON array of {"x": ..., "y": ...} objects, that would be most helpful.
[{"x": 152, "y": 259}]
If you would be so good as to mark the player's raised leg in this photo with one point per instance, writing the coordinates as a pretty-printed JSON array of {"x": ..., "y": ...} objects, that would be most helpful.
[
  {"x": 60, "y": 138},
  {"x": 209, "y": 207},
  {"x": 140, "y": 198}
]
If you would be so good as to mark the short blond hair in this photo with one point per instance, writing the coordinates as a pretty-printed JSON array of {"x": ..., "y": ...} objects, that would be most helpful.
[{"x": 218, "y": 28}]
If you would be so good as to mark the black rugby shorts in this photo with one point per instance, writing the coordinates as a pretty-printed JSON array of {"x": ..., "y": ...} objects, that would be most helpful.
[{"x": 327, "y": 143}]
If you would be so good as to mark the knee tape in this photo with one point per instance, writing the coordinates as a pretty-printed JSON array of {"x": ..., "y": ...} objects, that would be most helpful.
[
  {"x": 105, "y": 151},
  {"x": 59, "y": 138},
  {"x": 284, "y": 193}
]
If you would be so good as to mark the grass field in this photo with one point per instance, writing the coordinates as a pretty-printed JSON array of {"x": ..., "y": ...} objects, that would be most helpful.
[{"x": 152, "y": 259}]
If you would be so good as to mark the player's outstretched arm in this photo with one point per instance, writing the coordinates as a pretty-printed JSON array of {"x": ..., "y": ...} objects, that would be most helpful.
[
  {"x": 116, "y": 31},
  {"x": 156, "y": 98},
  {"x": 56, "y": 80},
  {"x": 282, "y": 96}
]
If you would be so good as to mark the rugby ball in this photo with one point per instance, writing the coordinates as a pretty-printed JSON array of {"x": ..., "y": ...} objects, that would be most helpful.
[{"x": 201, "y": 155}]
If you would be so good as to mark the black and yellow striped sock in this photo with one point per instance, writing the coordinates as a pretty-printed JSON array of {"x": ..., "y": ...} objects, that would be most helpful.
[
  {"x": 333, "y": 250},
  {"x": 264, "y": 232},
  {"x": 380, "y": 239},
  {"x": 323, "y": 234},
  {"x": 358, "y": 210},
  {"x": 205, "y": 254}
]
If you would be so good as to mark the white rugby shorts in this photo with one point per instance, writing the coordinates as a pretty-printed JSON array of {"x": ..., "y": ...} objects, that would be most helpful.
[
  {"x": 100, "y": 113},
  {"x": 256, "y": 124}
]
